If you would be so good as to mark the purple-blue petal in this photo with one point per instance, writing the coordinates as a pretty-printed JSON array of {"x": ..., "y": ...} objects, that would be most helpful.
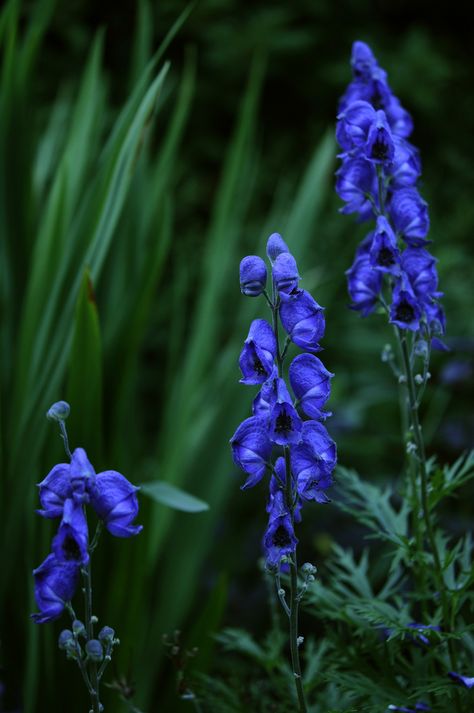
[
  {"x": 55, "y": 584},
  {"x": 311, "y": 383},
  {"x": 115, "y": 501},
  {"x": 251, "y": 448},
  {"x": 303, "y": 320}
]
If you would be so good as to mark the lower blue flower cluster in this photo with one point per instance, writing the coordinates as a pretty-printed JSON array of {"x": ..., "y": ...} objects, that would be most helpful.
[
  {"x": 64, "y": 493},
  {"x": 297, "y": 454},
  {"x": 377, "y": 180}
]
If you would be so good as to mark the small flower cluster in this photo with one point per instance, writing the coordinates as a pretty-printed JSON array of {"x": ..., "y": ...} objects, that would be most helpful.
[
  {"x": 64, "y": 493},
  {"x": 377, "y": 180},
  {"x": 305, "y": 454},
  {"x": 97, "y": 650}
]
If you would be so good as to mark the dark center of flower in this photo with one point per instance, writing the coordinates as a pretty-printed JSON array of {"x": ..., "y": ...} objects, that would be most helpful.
[
  {"x": 379, "y": 149},
  {"x": 258, "y": 367},
  {"x": 376, "y": 100},
  {"x": 283, "y": 423},
  {"x": 281, "y": 537},
  {"x": 385, "y": 257},
  {"x": 71, "y": 549},
  {"x": 404, "y": 312}
]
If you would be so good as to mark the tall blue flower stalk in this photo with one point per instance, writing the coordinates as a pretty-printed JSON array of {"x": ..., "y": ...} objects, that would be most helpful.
[
  {"x": 394, "y": 272},
  {"x": 285, "y": 439},
  {"x": 66, "y": 493}
]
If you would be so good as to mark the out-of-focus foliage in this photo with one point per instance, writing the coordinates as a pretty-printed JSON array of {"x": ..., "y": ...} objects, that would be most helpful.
[{"x": 132, "y": 181}]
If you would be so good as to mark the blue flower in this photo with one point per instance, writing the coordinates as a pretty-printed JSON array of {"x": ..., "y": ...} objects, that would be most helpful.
[
  {"x": 353, "y": 125},
  {"x": 55, "y": 585},
  {"x": 312, "y": 462},
  {"x": 384, "y": 254},
  {"x": 251, "y": 449},
  {"x": 285, "y": 273},
  {"x": 257, "y": 358},
  {"x": 311, "y": 384},
  {"x": 380, "y": 147},
  {"x": 405, "y": 310},
  {"x": 409, "y": 213},
  {"x": 406, "y": 167},
  {"x": 403, "y": 709},
  {"x": 115, "y": 501},
  {"x": 420, "y": 267},
  {"x": 364, "y": 285},
  {"x": 279, "y": 539},
  {"x": 54, "y": 490},
  {"x": 285, "y": 425},
  {"x": 466, "y": 681},
  {"x": 356, "y": 180},
  {"x": 303, "y": 320},
  {"x": 253, "y": 276},
  {"x": 275, "y": 246},
  {"x": 71, "y": 542},
  {"x": 363, "y": 61}
]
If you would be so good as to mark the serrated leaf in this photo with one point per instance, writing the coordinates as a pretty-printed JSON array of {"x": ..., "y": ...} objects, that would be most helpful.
[{"x": 173, "y": 497}]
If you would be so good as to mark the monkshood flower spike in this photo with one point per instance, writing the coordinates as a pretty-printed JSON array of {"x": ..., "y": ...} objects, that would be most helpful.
[
  {"x": 394, "y": 274},
  {"x": 284, "y": 441},
  {"x": 66, "y": 493}
]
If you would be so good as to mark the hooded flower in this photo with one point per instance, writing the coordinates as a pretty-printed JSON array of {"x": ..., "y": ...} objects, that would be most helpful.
[
  {"x": 253, "y": 276},
  {"x": 55, "y": 585},
  {"x": 420, "y": 268},
  {"x": 279, "y": 540},
  {"x": 311, "y": 384},
  {"x": 364, "y": 284},
  {"x": 257, "y": 357},
  {"x": 384, "y": 254},
  {"x": 409, "y": 213},
  {"x": 71, "y": 542},
  {"x": 275, "y": 246},
  {"x": 251, "y": 449},
  {"x": 405, "y": 311},
  {"x": 356, "y": 180},
  {"x": 284, "y": 425},
  {"x": 380, "y": 147},
  {"x": 303, "y": 320},
  {"x": 115, "y": 501},
  {"x": 285, "y": 273},
  {"x": 312, "y": 462},
  {"x": 54, "y": 490},
  {"x": 353, "y": 125}
]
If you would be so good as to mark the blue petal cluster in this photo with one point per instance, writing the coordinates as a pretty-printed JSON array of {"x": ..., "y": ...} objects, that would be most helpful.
[
  {"x": 278, "y": 439},
  {"x": 377, "y": 181},
  {"x": 64, "y": 493}
]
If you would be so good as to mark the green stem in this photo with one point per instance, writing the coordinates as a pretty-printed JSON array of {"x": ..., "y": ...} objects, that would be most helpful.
[
  {"x": 294, "y": 602},
  {"x": 93, "y": 674},
  {"x": 420, "y": 457}
]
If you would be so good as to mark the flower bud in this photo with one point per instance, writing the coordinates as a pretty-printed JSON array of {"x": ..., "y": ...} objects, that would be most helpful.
[
  {"x": 308, "y": 568},
  {"x": 106, "y": 634},
  {"x": 275, "y": 246},
  {"x": 253, "y": 276},
  {"x": 59, "y": 411},
  {"x": 94, "y": 650},
  {"x": 78, "y": 628},
  {"x": 66, "y": 640},
  {"x": 285, "y": 273}
]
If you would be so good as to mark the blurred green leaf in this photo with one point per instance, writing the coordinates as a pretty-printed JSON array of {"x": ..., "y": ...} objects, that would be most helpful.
[{"x": 173, "y": 497}]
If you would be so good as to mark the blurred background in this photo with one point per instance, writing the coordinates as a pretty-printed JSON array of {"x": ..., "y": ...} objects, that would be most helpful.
[{"x": 129, "y": 192}]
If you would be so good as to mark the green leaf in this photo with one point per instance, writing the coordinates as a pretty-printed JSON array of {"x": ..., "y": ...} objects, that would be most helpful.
[
  {"x": 173, "y": 497},
  {"x": 85, "y": 373}
]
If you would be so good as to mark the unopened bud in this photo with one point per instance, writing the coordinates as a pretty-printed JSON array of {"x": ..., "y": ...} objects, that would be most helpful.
[
  {"x": 59, "y": 411},
  {"x": 66, "y": 640},
  {"x": 106, "y": 634},
  {"x": 94, "y": 650},
  {"x": 78, "y": 628}
]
